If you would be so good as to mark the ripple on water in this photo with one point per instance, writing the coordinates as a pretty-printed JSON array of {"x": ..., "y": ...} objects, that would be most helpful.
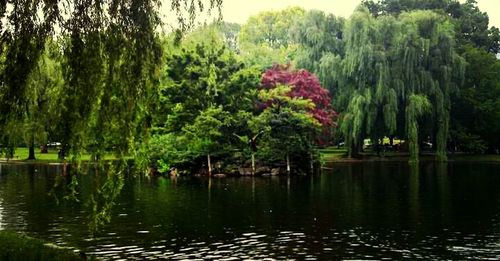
[{"x": 295, "y": 241}]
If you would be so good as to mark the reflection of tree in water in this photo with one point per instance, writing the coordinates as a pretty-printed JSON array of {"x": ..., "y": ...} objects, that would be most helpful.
[
  {"x": 95, "y": 187},
  {"x": 103, "y": 199}
]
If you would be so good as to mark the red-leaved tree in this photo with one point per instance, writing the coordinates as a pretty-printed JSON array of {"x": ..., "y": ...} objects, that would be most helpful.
[{"x": 303, "y": 84}]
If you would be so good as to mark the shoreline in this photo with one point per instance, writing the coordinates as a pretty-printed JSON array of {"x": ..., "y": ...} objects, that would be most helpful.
[{"x": 326, "y": 158}]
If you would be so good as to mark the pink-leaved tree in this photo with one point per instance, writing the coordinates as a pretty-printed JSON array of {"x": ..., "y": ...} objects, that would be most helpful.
[{"x": 306, "y": 85}]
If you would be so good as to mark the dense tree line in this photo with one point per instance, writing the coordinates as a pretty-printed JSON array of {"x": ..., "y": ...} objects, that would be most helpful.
[
  {"x": 417, "y": 70},
  {"x": 100, "y": 77}
]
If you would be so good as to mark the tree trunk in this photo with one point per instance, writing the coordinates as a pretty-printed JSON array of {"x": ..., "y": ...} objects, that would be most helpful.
[
  {"x": 31, "y": 155},
  {"x": 355, "y": 149},
  {"x": 209, "y": 165},
  {"x": 288, "y": 164},
  {"x": 350, "y": 147},
  {"x": 376, "y": 146},
  {"x": 10, "y": 153},
  {"x": 253, "y": 163},
  {"x": 311, "y": 163},
  {"x": 61, "y": 154}
]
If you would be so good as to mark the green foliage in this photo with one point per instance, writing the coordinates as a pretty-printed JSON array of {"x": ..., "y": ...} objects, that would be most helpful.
[
  {"x": 471, "y": 25},
  {"x": 109, "y": 83},
  {"x": 477, "y": 43},
  {"x": 164, "y": 151},
  {"x": 394, "y": 7},
  {"x": 263, "y": 56},
  {"x": 206, "y": 96},
  {"x": 287, "y": 125},
  {"x": 387, "y": 62},
  {"x": 371, "y": 97},
  {"x": 441, "y": 71},
  {"x": 203, "y": 134},
  {"x": 468, "y": 142},
  {"x": 222, "y": 33},
  {"x": 417, "y": 106},
  {"x": 265, "y": 39},
  {"x": 23, "y": 39},
  {"x": 201, "y": 76},
  {"x": 476, "y": 107},
  {"x": 320, "y": 37},
  {"x": 45, "y": 84},
  {"x": 271, "y": 27},
  {"x": 110, "y": 66}
]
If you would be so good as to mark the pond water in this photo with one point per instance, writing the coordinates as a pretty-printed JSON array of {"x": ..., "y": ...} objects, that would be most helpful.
[{"x": 382, "y": 211}]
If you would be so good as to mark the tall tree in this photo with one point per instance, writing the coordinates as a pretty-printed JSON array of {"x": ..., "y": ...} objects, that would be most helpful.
[
  {"x": 476, "y": 108},
  {"x": 471, "y": 24},
  {"x": 44, "y": 86},
  {"x": 265, "y": 39},
  {"x": 287, "y": 125},
  {"x": 370, "y": 97},
  {"x": 396, "y": 7},
  {"x": 296, "y": 109},
  {"x": 84, "y": 69},
  {"x": 23, "y": 38},
  {"x": 320, "y": 37},
  {"x": 438, "y": 70},
  {"x": 388, "y": 63},
  {"x": 271, "y": 27},
  {"x": 204, "y": 100},
  {"x": 303, "y": 85}
]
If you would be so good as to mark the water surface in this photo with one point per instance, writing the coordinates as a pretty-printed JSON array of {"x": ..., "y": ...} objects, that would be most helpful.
[{"x": 382, "y": 211}]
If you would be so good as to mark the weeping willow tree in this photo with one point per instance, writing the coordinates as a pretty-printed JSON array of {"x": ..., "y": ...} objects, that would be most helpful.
[
  {"x": 122, "y": 53},
  {"x": 83, "y": 72},
  {"x": 319, "y": 34},
  {"x": 24, "y": 26},
  {"x": 428, "y": 65},
  {"x": 114, "y": 57},
  {"x": 322, "y": 48},
  {"x": 366, "y": 86},
  {"x": 394, "y": 67}
]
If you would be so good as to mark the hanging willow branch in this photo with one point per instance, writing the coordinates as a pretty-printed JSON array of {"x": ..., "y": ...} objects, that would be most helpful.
[{"x": 417, "y": 106}]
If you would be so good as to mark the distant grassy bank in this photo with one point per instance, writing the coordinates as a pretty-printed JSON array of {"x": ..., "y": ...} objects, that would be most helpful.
[
  {"x": 333, "y": 154},
  {"x": 21, "y": 155},
  {"x": 15, "y": 247},
  {"x": 340, "y": 155}
]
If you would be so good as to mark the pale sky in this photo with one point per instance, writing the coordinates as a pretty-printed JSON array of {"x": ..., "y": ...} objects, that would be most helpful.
[{"x": 238, "y": 11}]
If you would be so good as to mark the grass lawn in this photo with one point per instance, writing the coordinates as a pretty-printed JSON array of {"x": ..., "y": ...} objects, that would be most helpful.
[
  {"x": 21, "y": 154},
  {"x": 332, "y": 154},
  {"x": 19, "y": 247}
]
